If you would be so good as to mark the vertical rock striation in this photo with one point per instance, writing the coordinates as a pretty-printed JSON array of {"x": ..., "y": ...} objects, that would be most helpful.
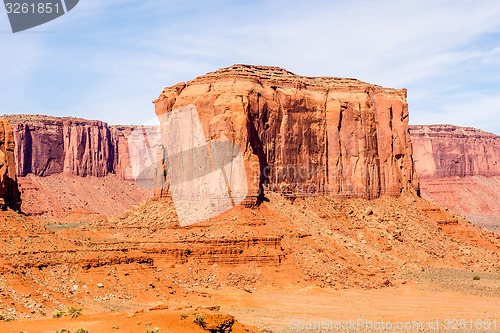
[
  {"x": 459, "y": 168},
  {"x": 449, "y": 151},
  {"x": 9, "y": 190},
  {"x": 50, "y": 145},
  {"x": 304, "y": 135}
]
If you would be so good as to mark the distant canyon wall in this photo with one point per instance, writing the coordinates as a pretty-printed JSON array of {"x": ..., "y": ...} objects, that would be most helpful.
[
  {"x": 459, "y": 168},
  {"x": 446, "y": 151},
  {"x": 50, "y": 145}
]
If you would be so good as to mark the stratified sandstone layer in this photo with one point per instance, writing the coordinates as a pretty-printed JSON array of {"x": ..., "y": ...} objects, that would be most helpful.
[
  {"x": 447, "y": 151},
  {"x": 304, "y": 135},
  {"x": 9, "y": 191},
  {"x": 50, "y": 145},
  {"x": 459, "y": 168},
  {"x": 58, "y": 160}
]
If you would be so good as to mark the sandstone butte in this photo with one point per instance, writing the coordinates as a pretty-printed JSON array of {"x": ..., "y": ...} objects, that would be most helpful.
[
  {"x": 9, "y": 191},
  {"x": 341, "y": 127},
  {"x": 352, "y": 137}
]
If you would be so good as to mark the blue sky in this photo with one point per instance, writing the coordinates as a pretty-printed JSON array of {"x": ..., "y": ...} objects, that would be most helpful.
[{"x": 109, "y": 59}]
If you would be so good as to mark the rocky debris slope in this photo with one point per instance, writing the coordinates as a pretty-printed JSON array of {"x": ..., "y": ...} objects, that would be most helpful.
[
  {"x": 143, "y": 254},
  {"x": 459, "y": 168},
  {"x": 303, "y": 135},
  {"x": 58, "y": 194},
  {"x": 9, "y": 190}
]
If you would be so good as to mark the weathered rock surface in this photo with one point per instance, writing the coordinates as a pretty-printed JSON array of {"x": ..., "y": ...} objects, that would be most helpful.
[
  {"x": 303, "y": 135},
  {"x": 447, "y": 151},
  {"x": 459, "y": 168},
  {"x": 9, "y": 191},
  {"x": 50, "y": 145},
  {"x": 50, "y": 153}
]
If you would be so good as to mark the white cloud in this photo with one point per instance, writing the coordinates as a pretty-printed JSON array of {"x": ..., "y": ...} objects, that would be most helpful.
[
  {"x": 468, "y": 110},
  {"x": 137, "y": 48}
]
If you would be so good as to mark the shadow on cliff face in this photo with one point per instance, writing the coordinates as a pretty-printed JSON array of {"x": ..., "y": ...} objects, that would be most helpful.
[
  {"x": 257, "y": 147},
  {"x": 10, "y": 196}
]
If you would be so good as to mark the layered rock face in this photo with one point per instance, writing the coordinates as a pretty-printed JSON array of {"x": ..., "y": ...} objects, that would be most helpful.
[
  {"x": 447, "y": 151},
  {"x": 50, "y": 145},
  {"x": 304, "y": 135},
  {"x": 459, "y": 169},
  {"x": 9, "y": 191},
  {"x": 53, "y": 155}
]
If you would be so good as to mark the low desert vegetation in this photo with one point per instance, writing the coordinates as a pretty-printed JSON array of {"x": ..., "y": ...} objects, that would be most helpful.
[
  {"x": 58, "y": 314},
  {"x": 155, "y": 330},
  {"x": 7, "y": 318},
  {"x": 199, "y": 319},
  {"x": 80, "y": 330},
  {"x": 74, "y": 311}
]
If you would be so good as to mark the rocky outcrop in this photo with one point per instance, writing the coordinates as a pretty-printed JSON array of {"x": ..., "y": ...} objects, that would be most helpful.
[
  {"x": 50, "y": 145},
  {"x": 304, "y": 135},
  {"x": 9, "y": 190},
  {"x": 447, "y": 151},
  {"x": 459, "y": 168}
]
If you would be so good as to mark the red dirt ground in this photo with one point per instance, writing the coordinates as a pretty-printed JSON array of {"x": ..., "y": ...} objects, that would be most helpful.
[{"x": 287, "y": 258}]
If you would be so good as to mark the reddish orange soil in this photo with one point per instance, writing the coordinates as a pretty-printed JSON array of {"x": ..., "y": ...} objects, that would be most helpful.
[
  {"x": 58, "y": 194},
  {"x": 476, "y": 197},
  {"x": 264, "y": 265}
]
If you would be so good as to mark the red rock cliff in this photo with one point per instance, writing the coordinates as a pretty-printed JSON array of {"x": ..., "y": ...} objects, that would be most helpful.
[
  {"x": 446, "y": 151},
  {"x": 459, "y": 168},
  {"x": 9, "y": 190},
  {"x": 305, "y": 134},
  {"x": 50, "y": 145}
]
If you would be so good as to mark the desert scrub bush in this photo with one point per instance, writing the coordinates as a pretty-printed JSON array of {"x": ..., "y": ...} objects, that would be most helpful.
[
  {"x": 476, "y": 278},
  {"x": 63, "y": 330},
  {"x": 183, "y": 316},
  {"x": 155, "y": 330},
  {"x": 74, "y": 311},
  {"x": 199, "y": 319},
  {"x": 81, "y": 330},
  {"x": 58, "y": 314},
  {"x": 7, "y": 318}
]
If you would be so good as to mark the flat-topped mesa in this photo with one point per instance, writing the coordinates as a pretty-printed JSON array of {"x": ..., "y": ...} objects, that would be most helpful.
[
  {"x": 283, "y": 78},
  {"x": 303, "y": 135},
  {"x": 9, "y": 189},
  {"x": 449, "y": 151},
  {"x": 48, "y": 145}
]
